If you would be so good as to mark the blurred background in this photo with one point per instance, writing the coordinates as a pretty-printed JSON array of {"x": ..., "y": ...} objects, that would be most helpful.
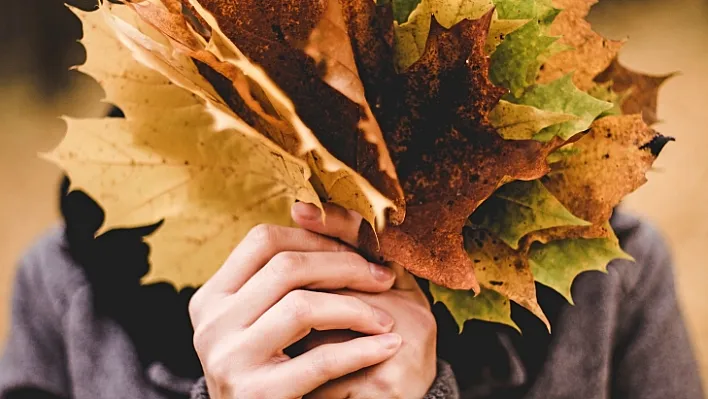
[{"x": 38, "y": 44}]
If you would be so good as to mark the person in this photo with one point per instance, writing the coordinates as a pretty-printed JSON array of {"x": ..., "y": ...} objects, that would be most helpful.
[{"x": 296, "y": 312}]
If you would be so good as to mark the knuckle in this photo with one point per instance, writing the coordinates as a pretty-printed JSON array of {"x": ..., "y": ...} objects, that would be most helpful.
[
  {"x": 389, "y": 381},
  {"x": 195, "y": 306},
  {"x": 200, "y": 340},
  {"x": 298, "y": 305},
  {"x": 217, "y": 369},
  {"x": 262, "y": 234},
  {"x": 284, "y": 264}
]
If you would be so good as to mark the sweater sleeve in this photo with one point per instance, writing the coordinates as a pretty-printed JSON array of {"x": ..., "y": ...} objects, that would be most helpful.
[
  {"x": 653, "y": 357},
  {"x": 33, "y": 363},
  {"x": 444, "y": 386}
]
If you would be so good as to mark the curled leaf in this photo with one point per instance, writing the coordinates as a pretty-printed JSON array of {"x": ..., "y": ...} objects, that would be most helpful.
[{"x": 210, "y": 185}]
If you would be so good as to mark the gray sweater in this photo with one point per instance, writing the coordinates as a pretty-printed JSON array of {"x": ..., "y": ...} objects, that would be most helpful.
[{"x": 624, "y": 338}]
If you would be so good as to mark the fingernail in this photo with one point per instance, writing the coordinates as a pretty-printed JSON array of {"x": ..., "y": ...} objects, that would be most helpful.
[
  {"x": 306, "y": 211},
  {"x": 390, "y": 341},
  {"x": 381, "y": 273},
  {"x": 383, "y": 318}
]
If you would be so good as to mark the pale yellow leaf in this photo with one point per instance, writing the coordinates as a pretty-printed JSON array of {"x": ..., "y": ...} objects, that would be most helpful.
[{"x": 166, "y": 160}]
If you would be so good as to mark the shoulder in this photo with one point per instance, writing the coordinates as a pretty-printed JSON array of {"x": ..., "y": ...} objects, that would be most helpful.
[{"x": 47, "y": 269}]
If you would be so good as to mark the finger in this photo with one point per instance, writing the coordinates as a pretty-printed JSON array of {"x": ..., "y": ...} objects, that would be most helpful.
[
  {"x": 288, "y": 271},
  {"x": 261, "y": 244},
  {"x": 404, "y": 279},
  {"x": 301, "y": 311},
  {"x": 339, "y": 222},
  {"x": 328, "y": 362}
]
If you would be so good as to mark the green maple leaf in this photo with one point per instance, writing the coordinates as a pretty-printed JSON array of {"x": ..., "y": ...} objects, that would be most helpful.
[
  {"x": 541, "y": 10},
  {"x": 518, "y": 58},
  {"x": 522, "y": 122},
  {"x": 521, "y": 207},
  {"x": 561, "y": 95},
  {"x": 557, "y": 263},
  {"x": 463, "y": 305}
]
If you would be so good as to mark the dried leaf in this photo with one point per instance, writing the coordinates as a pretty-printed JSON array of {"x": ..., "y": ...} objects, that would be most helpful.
[
  {"x": 332, "y": 133},
  {"x": 209, "y": 185},
  {"x": 590, "y": 54},
  {"x": 448, "y": 158},
  {"x": 641, "y": 90},
  {"x": 613, "y": 159},
  {"x": 502, "y": 269}
]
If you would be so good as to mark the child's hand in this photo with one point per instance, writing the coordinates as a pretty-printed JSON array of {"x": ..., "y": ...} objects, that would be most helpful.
[
  {"x": 268, "y": 295},
  {"x": 411, "y": 371}
]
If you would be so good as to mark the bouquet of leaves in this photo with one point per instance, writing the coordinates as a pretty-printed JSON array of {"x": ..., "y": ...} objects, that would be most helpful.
[{"x": 485, "y": 142}]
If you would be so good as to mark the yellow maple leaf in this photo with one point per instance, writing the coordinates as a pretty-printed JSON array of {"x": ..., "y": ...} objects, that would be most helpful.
[{"x": 167, "y": 159}]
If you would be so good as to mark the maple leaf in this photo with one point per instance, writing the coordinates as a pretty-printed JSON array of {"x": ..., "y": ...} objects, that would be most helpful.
[
  {"x": 519, "y": 208},
  {"x": 562, "y": 96},
  {"x": 249, "y": 93},
  {"x": 390, "y": 110},
  {"x": 523, "y": 122},
  {"x": 518, "y": 58},
  {"x": 612, "y": 161},
  {"x": 209, "y": 185},
  {"x": 590, "y": 54},
  {"x": 640, "y": 90},
  {"x": 500, "y": 268},
  {"x": 448, "y": 158},
  {"x": 411, "y": 37},
  {"x": 488, "y": 305},
  {"x": 557, "y": 263}
]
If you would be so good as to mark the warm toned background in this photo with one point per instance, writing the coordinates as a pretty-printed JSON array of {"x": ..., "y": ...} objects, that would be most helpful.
[{"x": 664, "y": 36}]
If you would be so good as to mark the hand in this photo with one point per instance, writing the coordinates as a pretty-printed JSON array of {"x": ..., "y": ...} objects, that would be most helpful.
[
  {"x": 263, "y": 300},
  {"x": 409, "y": 373}
]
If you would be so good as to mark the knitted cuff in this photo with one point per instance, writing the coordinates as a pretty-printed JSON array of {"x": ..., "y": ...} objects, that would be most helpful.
[
  {"x": 199, "y": 390},
  {"x": 444, "y": 386}
]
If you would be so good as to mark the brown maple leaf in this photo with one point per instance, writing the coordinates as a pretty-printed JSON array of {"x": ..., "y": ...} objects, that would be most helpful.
[
  {"x": 448, "y": 157},
  {"x": 590, "y": 53},
  {"x": 643, "y": 89}
]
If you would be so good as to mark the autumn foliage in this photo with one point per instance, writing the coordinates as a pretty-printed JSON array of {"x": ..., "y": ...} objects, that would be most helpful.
[{"x": 485, "y": 142}]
